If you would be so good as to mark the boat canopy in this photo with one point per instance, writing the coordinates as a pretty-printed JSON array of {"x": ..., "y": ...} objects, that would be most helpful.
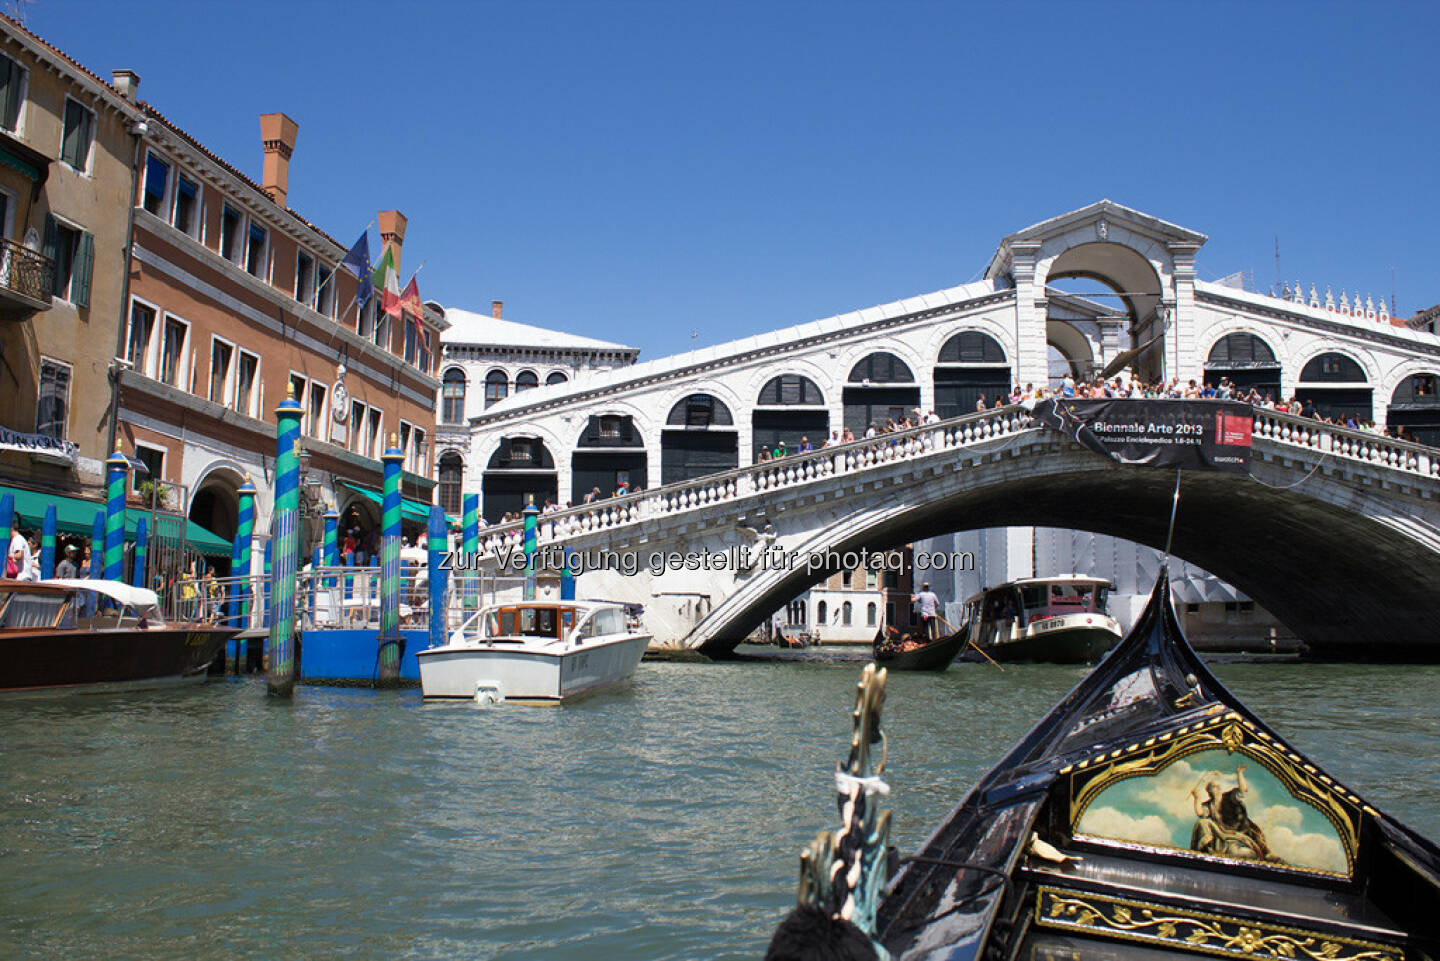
[{"x": 137, "y": 597}]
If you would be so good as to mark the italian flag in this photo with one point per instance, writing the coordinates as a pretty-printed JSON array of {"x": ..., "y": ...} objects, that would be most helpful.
[{"x": 387, "y": 280}]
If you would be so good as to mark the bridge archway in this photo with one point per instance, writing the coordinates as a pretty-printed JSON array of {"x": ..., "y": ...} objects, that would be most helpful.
[
  {"x": 609, "y": 453},
  {"x": 971, "y": 365},
  {"x": 880, "y": 387},
  {"x": 790, "y": 407},
  {"x": 520, "y": 469},
  {"x": 1338, "y": 387},
  {"x": 1068, "y": 350},
  {"x": 1136, "y": 282},
  {"x": 1415, "y": 408},
  {"x": 699, "y": 438},
  {"x": 1247, "y": 360}
]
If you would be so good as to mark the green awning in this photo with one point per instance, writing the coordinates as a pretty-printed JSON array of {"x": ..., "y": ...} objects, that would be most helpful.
[
  {"x": 415, "y": 511},
  {"x": 19, "y": 164},
  {"x": 74, "y": 515}
]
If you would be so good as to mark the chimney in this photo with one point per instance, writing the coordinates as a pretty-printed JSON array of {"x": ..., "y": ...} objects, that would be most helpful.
[
  {"x": 127, "y": 82},
  {"x": 392, "y": 233},
  {"x": 277, "y": 136},
  {"x": 495, "y": 306}
]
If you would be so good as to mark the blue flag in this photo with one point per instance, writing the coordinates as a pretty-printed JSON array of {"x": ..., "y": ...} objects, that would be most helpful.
[{"x": 357, "y": 261}]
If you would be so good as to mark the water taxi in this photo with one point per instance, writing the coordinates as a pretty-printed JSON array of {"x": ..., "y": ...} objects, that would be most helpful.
[
  {"x": 52, "y": 639},
  {"x": 534, "y": 651},
  {"x": 1061, "y": 619}
]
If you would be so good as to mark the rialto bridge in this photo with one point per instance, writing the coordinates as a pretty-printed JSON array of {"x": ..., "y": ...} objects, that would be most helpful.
[{"x": 682, "y": 419}]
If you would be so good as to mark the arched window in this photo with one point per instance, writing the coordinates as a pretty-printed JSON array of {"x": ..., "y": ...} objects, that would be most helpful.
[
  {"x": 556, "y": 377},
  {"x": 1419, "y": 389},
  {"x": 881, "y": 368},
  {"x": 1240, "y": 350},
  {"x": 870, "y": 614},
  {"x": 497, "y": 387},
  {"x": 452, "y": 396},
  {"x": 526, "y": 380},
  {"x": 699, "y": 410},
  {"x": 820, "y": 613},
  {"x": 972, "y": 347},
  {"x": 452, "y": 476},
  {"x": 1332, "y": 368},
  {"x": 845, "y": 614},
  {"x": 791, "y": 390}
]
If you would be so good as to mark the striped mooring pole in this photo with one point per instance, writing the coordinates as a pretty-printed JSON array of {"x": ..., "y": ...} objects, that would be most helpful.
[
  {"x": 285, "y": 534},
  {"x": 439, "y": 577},
  {"x": 471, "y": 545},
  {"x": 47, "y": 544},
  {"x": 117, "y": 467},
  {"x": 331, "y": 542},
  {"x": 97, "y": 560},
  {"x": 142, "y": 546},
  {"x": 392, "y": 644},
  {"x": 7, "y": 520},
  {"x": 240, "y": 562},
  {"x": 567, "y": 577},
  {"x": 531, "y": 544}
]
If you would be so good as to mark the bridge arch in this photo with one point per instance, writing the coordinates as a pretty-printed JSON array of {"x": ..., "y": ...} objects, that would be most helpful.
[
  {"x": 880, "y": 385},
  {"x": 970, "y": 365},
  {"x": 788, "y": 408},
  {"x": 520, "y": 468},
  {"x": 1246, "y": 358},
  {"x": 698, "y": 438},
  {"x": 1414, "y": 405},
  {"x": 1067, "y": 346},
  {"x": 1337, "y": 382},
  {"x": 610, "y": 451},
  {"x": 1131, "y": 266}
]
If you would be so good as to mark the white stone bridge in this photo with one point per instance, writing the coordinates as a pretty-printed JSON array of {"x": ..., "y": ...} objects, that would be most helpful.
[{"x": 1336, "y": 532}]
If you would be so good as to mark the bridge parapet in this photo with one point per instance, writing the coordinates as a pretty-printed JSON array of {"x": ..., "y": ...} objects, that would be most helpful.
[{"x": 1281, "y": 430}]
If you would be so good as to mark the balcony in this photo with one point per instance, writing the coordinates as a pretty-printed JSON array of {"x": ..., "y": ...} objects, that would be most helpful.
[{"x": 26, "y": 278}]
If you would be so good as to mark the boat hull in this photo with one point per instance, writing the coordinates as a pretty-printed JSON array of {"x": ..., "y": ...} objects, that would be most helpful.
[
  {"x": 935, "y": 656},
  {"x": 108, "y": 659},
  {"x": 1072, "y": 639},
  {"x": 521, "y": 673}
]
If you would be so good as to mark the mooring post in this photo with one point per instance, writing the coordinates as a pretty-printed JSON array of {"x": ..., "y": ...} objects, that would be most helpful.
[
  {"x": 240, "y": 563},
  {"x": 47, "y": 544},
  {"x": 97, "y": 559},
  {"x": 142, "y": 546},
  {"x": 117, "y": 467},
  {"x": 285, "y": 529},
  {"x": 332, "y": 545},
  {"x": 267, "y": 583},
  {"x": 531, "y": 543},
  {"x": 392, "y": 645},
  {"x": 439, "y": 578},
  {"x": 567, "y": 577},
  {"x": 7, "y": 519},
  {"x": 471, "y": 546}
]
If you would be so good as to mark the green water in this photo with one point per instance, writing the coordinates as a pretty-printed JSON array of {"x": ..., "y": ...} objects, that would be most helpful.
[{"x": 663, "y": 821}]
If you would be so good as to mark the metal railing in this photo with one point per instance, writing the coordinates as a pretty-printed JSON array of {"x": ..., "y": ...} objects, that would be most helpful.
[{"x": 25, "y": 271}]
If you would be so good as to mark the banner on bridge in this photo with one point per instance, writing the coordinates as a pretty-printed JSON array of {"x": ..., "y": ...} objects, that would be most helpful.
[{"x": 1184, "y": 434}]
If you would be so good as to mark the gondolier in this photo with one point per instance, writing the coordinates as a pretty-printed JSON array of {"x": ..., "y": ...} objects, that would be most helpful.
[{"x": 928, "y": 604}]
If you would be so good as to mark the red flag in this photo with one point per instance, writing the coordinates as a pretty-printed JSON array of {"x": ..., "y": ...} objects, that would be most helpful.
[{"x": 410, "y": 299}]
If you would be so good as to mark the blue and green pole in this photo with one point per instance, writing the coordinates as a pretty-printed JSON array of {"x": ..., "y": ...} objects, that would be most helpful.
[
  {"x": 142, "y": 546},
  {"x": 7, "y": 519},
  {"x": 117, "y": 467},
  {"x": 285, "y": 528},
  {"x": 567, "y": 577},
  {"x": 331, "y": 542},
  {"x": 47, "y": 544},
  {"x": 240, "y": 561},
  {"x": 439, "y": 621},
  {"x": 391, "y": 643},
  {"x": 531, "y": 543},
  {"x": 470, "y": 544},
  {"x": 97, "y": 561},
  {"x": 267, "y": 584}
]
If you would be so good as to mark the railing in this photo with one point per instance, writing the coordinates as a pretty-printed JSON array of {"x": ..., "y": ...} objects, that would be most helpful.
[
  {"x": 796, "y": 470},
  {"x": 25, "y": 271}
]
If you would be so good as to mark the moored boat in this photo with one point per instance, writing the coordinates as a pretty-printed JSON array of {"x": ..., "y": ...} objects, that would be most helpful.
[
  {"x": 1063, "y": 619},
  {"x": 534, "y": 651},
  {"x": 48, "y": 643},
  {"x": 905, "y": 654},
  {"x": 1150, "y": 815}
]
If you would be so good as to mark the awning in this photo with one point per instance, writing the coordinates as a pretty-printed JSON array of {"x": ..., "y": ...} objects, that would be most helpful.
[
  {"x": 23, "y": 159},
  {"x": 410, "y": 510},
  {"x": 74, "y": 515}
]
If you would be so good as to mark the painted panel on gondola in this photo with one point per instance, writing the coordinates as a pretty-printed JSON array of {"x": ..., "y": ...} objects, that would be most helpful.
[{"x": 1218, "y": 792}]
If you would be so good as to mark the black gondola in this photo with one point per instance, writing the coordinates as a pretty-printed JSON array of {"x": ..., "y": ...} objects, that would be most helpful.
[
  {"x": 934, "y": 656},
  {"x": 1150, "y": 815}
]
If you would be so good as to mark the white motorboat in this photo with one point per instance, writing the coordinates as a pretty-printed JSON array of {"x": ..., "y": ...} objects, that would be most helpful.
[{"x": 534, "y": 651}]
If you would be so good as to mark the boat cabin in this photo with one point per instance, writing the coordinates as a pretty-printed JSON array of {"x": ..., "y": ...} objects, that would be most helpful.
[
  {"x": 560, "y": 622},
  {"x": 1034, "y": 598},
  {"x": 71, "y": 604}
]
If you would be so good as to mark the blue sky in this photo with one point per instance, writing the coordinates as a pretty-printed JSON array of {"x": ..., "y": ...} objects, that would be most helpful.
[{"x": 675, "y": 174}]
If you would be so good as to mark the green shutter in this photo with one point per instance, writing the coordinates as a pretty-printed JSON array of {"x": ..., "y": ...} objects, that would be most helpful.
[
  {"x": 81, "y": 271},
  {"x": 9, "y": 93}
]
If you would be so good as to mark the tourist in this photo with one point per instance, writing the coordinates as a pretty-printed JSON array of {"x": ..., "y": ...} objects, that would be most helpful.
[
  {"x": 805, "y": 445},
  {"x": 347, "y": 549},
  {"x": 66, "y": 568},
  {"x": 847, "y": 436},
  {"x": 980, "y": 404}
]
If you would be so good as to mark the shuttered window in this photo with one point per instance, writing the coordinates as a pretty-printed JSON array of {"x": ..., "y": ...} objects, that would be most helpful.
[
  {"x": 12, "y": 84},
  {"x": 79, "y": 132},
  {"x": 73, "y": 251}
]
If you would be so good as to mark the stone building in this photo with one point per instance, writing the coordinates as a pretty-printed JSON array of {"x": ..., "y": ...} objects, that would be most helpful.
[
  {"x": 852, "y": 606},
  {"x": 488, "y": 362},
  {"x": 67, "y": 154}
]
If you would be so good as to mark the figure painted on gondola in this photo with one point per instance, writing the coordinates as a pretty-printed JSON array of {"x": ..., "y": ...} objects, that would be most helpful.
[{"x": 1223, "y": 826}]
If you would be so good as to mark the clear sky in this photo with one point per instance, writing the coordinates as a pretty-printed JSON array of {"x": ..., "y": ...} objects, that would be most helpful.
[{"x": 673, "y": 174}]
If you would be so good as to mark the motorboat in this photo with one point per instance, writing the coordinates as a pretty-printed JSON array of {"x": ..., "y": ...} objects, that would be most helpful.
[
  {"x": 96, "y": 635},
  {"x": 907, "y": 653},
  {"x": 535, "y": 651},
  {"x": 1061, "y": 619},
  {"x": 1149, "y": 815}
]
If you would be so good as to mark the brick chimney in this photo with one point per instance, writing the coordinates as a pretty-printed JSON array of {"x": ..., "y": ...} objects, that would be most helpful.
[
  {"x": 127, "y": 82},
  {"x": 277, "y": 136},
  {"x": 392, "y": 233},
  {"x": 495, "y": 306}
]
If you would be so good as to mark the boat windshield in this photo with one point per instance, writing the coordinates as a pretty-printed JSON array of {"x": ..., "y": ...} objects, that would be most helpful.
[
  {"x": 607, "y": 620},
  {"x": 25, "y": 609},
  {"x": 523, "y": 622}
]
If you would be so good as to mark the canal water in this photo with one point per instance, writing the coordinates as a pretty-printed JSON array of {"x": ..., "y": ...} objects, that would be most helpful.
[{"x": 661, "y": 822}]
